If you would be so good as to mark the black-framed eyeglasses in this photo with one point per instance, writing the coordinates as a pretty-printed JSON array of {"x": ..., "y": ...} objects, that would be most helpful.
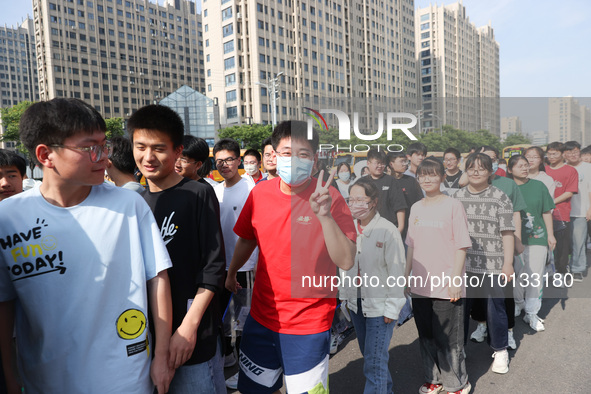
[
  {"x": 228, "y": 161},
  {"x": 95, "y": 152}
]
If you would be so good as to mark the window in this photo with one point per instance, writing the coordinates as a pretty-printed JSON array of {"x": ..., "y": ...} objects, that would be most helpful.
[
  {"x": 228, "y": 47},
  {"x": 228, "y": 30},
  {"x": 231, "y": 112},
  {"x": 230, "y": 79},
  {"x": 226, "y": 13},
  {"x": 425, "y": 26},
  {"x": 231, "y": 96},
  {"x": 229, "y": 63}
]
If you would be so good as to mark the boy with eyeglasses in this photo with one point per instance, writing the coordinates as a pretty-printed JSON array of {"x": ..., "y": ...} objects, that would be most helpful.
[
  {"x": 79, "y": 260},
  {"x": 453, "y": 174},
  {"x": 232, "y": 195},
  {"x": 302, "y": 227},
  {"x": 188, "y": 215},
  {"x": 566, "y": 180}
]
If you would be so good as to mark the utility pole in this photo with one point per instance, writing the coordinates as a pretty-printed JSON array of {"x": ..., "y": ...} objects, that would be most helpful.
[{"x": 273, "y": 89}]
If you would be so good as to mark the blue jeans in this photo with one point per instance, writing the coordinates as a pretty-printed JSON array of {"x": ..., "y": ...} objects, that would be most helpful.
[
  {"x": 374, "y": 336},
  {"x": 203, "y": 378},
  {"x": 579, "y": 235}
]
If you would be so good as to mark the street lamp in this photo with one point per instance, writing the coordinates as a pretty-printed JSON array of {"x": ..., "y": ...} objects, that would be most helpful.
[
  {"x": 419, "y": 117},
  {"x": 273, "y": 90}
]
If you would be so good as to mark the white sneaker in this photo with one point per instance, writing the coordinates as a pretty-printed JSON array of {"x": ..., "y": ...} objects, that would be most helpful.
[
  {"x": 335, "y": 341},
  {"x": 480, "y": 333},
  {"x": 511, "y": 340},
  {"x": 232, "y": 382},
  {"x": 518, "y": 309},
  {"x": 501, "y": 363},
  {"x": 534, "y": 322},
  {"x": 229, "y": 360}
]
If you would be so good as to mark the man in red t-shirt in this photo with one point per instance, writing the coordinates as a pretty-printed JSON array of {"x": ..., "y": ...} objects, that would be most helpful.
[
  {"x": 566, "y": 180},
  {"x": 304, "y": 230}
]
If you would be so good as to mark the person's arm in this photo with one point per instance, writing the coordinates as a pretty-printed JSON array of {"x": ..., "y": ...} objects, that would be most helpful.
[
  {"x": 340, "y": 248},
  {"x": 455, "y": 292},
  {"x": 508, "y": 246},
  {"x": 463, "y": 179},
  {"x": 400, "y": 215},
  {"x": 563, "y": 197},
  {"x": 242, "y": 251},
  {"x": 6, "y": 349},
  {"x": 408, "y": 269},
  {"x": 519, "y": 248},
  {"x": 547, "y": 217},
  {"x": 182, "y": 343},
  {"x": 161, "y": 308}
]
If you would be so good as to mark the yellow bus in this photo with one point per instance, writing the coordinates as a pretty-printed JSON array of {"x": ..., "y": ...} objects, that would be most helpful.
[{"x": 513, "y": 150}]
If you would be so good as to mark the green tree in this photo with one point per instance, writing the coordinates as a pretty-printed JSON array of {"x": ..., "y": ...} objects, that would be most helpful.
[
  {"x": 460, "y": 139},
  {"x": 248, "y": 136},
  {"x": 516, "y": 139},
  {"x": 11, "y": 118},
  {"x": 114, "y": 127}
]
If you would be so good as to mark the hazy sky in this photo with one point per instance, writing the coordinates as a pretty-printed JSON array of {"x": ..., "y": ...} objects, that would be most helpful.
[{"x": 544, "y": 44}]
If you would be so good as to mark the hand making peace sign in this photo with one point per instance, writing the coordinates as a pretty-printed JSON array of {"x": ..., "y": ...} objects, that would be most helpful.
[{"x": 320, "y": 200}]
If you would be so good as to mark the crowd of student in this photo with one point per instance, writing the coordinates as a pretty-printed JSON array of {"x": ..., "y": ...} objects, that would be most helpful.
[{"x": 114, "y": 290}]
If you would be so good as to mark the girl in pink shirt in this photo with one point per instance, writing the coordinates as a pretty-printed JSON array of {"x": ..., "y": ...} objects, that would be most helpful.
[{"x": 437, "y": 241}]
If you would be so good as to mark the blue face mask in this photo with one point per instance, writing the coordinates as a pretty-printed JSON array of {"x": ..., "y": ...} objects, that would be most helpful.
[
  {"x": 495, "y": 166},
  {"x": 293, "y": 170}
]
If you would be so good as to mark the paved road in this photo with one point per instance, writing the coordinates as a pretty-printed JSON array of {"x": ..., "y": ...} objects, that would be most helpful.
[{"x": 556, "y": 360}]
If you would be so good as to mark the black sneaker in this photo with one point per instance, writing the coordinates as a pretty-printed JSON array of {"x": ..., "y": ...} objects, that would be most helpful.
[{"x": 578, "y": 276}]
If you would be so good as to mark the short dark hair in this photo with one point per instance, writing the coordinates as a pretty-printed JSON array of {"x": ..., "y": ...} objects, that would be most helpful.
[
  {"x": 559, "y": 146},
  {"x": 371, "y": 190},
  {"x": 431, "y": 166},
  {"x": 345, "y": 164},
  {"x": 51, "y": 122},
  {"x": 296, "y": 130},
  {"x": 11, "y": 159},
  {"x": 416, "y": 147},
  {"x": 376, "y": 154},
  {"x": 570, "y": 145},
  {"x": 196, "y": 148},
  {"x": 227, "y": 144},
  {"x": 453, "y": 151},
  {"x": 158, "y": 118},
  {"x": 122, "y": 155},
  {"x": 486, "y": 148},
  {"x": 484, "y": 160},
  {"x": 253, "y": 152},
  {"x": 395, "y": 155},
  {"x": 266, "y": 141},
  {"x": 586, "y": 150}
]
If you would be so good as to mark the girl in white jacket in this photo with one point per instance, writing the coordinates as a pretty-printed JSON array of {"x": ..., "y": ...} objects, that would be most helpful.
[{"x": 370, "y": 288}]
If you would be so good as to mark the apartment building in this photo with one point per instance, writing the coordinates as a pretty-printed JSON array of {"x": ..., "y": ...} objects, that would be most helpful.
[
  {"x": 459, "y": 70},
  {"x": 18, "y": 67},
  {"x": 510, "y": 125},
  {"x": 350, "y": 55},
  {"x": 117, "y": 55},
  {"x": 568, "y": 120}
]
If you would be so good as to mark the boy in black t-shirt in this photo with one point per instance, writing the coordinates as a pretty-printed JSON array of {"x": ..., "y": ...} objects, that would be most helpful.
[
  {"x": 188, "y": 215},
  {"x": 391, "y": 202},
  {"x": 398, "y": 163},
  {"x": 451, "y": 161}
]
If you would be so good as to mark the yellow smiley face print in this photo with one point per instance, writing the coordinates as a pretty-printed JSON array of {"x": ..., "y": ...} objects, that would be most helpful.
[{"x": 131, "y": 324}]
